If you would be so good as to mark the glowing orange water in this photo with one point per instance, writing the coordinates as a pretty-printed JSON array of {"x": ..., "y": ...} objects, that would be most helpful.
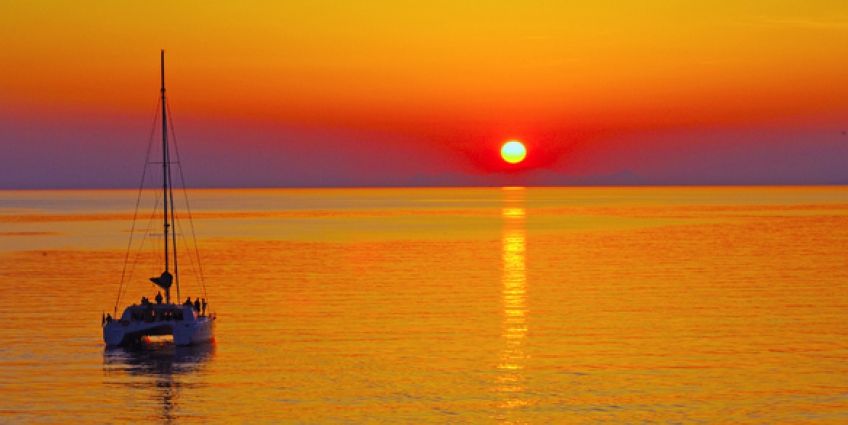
[{"x": 444, "y": 305}]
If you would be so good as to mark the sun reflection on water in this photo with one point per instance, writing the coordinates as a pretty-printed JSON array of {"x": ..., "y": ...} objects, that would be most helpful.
[{"x": 511, "y": 379}]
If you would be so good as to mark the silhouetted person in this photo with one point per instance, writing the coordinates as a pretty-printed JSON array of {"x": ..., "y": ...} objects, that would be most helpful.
[
  {"x": 187, "y": 301},
  {"x": 197, "y": 305},
  {"x": 158, "y": 297},
  {"x": 203, "y": 306}
]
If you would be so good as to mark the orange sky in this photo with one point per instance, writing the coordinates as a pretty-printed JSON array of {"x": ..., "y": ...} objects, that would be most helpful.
[{"x": 460, "y": 76}]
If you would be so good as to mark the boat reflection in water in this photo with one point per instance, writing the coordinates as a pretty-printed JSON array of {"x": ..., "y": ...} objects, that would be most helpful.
[
  {"x": 163, "y": 368},
  {"x": 511, "y": 379}
]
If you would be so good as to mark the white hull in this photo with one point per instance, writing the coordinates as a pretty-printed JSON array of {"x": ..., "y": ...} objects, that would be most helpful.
[
  {"x": 197, "y": 332},
  {"x": 190, "y": 331}
]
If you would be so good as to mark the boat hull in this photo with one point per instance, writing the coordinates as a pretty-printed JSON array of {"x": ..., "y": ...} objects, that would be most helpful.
[
  {"x": 184, "y": 332},
  {"x": 196, "y": 332}
]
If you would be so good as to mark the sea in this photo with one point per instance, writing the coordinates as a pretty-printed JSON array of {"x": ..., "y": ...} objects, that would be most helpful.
[{"x": 515, "y": 305}]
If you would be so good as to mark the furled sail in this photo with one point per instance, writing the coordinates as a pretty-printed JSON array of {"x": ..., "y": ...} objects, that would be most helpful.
[{"x": 164, "y": 281}]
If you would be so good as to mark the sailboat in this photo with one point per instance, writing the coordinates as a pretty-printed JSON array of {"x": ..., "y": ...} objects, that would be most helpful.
[{"x": 188, "y": 322}]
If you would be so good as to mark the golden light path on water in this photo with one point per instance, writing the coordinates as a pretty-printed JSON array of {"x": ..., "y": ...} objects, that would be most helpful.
[{"x": 514, "y": 278}]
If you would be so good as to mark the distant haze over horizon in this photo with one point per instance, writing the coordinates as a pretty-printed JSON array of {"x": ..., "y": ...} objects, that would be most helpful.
[{"x": 380, "y": 93}]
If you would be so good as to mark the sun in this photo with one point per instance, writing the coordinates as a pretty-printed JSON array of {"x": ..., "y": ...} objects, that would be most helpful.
[{"x": 513, "y": 151}]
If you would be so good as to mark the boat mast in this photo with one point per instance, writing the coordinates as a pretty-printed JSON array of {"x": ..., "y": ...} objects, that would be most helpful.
[
  {"x": 167, "y": 191},
  {"x": 164, "y": 156}
]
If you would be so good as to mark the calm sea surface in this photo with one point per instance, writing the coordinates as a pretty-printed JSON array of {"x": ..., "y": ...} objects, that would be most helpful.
[{"x": 537, "y": 305}]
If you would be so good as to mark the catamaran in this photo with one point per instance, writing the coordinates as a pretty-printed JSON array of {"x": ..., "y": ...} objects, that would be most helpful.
[{"x": 188, "y": 323}]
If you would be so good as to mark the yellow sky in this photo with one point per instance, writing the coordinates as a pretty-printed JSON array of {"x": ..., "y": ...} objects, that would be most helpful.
[{"x": 352, "y": 61}]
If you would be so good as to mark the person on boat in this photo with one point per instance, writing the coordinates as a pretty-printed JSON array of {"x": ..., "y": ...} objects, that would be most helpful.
[
  {"x": 108, "y": 318},
  {"x": 197, "y": 305},
  {"x": 159, "y": 297},
  {"x": 187, "y": 301},
  {"x": 203, "y": 306}
]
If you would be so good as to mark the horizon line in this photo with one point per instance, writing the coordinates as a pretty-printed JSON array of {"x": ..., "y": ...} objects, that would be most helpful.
[{"x": 312, "y": 187}]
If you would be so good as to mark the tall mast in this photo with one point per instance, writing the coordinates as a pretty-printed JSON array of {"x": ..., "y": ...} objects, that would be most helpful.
[
  {"x": 165, "y": 279},
  {"x": 164, "y": 157}
]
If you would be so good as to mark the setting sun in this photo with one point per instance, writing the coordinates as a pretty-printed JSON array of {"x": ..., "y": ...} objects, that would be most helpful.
[{"x": 513, "y": 151}]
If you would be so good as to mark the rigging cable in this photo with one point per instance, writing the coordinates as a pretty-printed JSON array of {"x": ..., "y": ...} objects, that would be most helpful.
[
  {"x": 185, "y": 195},
  {"x": 137, "y": 203},
  {"x": 144, "y": 239},
  {"x": 182, "y": 234}
]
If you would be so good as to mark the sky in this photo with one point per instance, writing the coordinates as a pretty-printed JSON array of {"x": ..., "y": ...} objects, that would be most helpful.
[{"x": 395, "y": 93}]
